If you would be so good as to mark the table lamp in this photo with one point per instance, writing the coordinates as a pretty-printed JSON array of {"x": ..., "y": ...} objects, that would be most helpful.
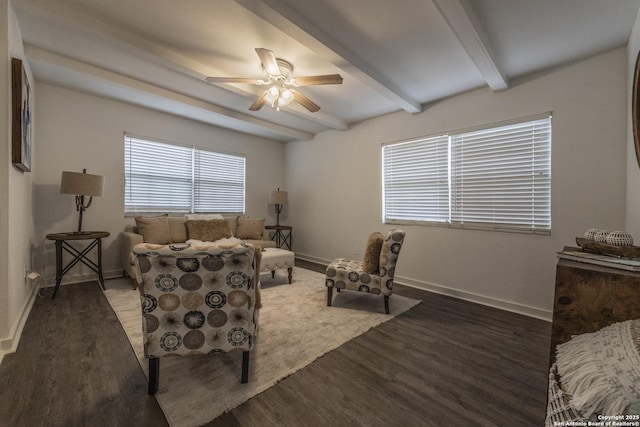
[
  {"x": 81, "y": 185},
  {"x": 279, "y": 199}
]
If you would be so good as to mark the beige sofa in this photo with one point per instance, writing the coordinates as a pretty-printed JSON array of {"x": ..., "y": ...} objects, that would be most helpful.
[{"x": 179, "y": 234}]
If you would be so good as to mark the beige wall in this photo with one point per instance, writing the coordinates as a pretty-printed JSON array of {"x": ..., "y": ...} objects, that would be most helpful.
[
  {"x": 334, "y": 181},
  {"x": 335, "y": 186},
  {"x": 16, "y": 224},
  {"x": 85, "y": 131}
]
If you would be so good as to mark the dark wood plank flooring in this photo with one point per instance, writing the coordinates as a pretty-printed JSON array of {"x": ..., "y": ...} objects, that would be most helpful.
[
  {"x": 74, "y": 366},
  {"x": 446, "y": 362}
]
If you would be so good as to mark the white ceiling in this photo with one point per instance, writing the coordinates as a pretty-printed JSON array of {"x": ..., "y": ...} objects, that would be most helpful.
[{"x": 393, "y": 54}]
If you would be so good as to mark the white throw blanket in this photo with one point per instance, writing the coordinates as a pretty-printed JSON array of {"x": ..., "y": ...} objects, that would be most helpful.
[{"x": 222, "y": 243}]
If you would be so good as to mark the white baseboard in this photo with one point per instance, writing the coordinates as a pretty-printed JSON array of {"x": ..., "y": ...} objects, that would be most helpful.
[
  {"x": 313, "y": 259},
  {"x": 10, "y": 343},
  {"x": 79, "y": 278},
  {"x": 525, "y": 310},
  {"x": 478, "y": 299}
]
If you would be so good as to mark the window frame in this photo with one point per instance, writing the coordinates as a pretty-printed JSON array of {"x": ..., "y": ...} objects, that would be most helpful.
[
  {"x": 191, "y": 169},
  {"x": 452, "y": 222}
]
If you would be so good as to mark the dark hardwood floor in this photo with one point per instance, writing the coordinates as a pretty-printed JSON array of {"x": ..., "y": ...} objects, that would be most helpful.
[
  {"x": 446, "y": 362},
  {"x": 75, "y": 367}
]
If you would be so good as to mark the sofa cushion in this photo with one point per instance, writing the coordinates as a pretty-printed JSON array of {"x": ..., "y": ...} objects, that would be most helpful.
[
  {"x": 250, "y": 228},
  {"x": 233, "y": 224},
  {"x": 208, "y": 230},
  {"x": 178, "y": 229},
  {"x": 371, "y": 261},
  {"x": 154, "y": 229}
]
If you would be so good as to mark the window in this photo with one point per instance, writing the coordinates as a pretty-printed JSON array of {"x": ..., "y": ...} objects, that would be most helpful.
[
  {"x": 491, "y": 178},
  {"x": 171, "y": 178}
]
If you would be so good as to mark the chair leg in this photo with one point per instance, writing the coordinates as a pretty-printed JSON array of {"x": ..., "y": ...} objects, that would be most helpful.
[
  {"x": 386, "y": 304},
  {"x": 329, "y": 295},
  {"x": 154, "y": 374},
  {"x": 245, "y": 367}
]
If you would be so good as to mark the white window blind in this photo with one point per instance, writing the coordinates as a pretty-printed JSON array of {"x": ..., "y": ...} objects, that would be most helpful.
[
  {"x": 492, "y": 178},
  {"x": 161, "y": 177},
  {"x": 502, "y": 176},
  {"x": 416, "y": 182}
]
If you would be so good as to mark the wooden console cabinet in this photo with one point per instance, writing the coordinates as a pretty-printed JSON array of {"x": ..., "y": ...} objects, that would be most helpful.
[{"x": 589, "y": 297}]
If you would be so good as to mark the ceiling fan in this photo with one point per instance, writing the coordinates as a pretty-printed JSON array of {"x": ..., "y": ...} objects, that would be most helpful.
[{"x": 282, "y": 84}]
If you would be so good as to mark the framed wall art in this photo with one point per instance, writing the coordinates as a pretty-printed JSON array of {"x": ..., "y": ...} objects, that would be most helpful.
[
  {"x": 21, "y": 110},
  {"x": 635, "y": 108}
]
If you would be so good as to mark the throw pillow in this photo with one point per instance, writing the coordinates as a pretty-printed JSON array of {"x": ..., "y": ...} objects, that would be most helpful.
[
  {"x": 233, "y": 224},
  {"x": 601, "y": 370},
  {"x": 250, "y": 228},
  {"x": 371, "y": 261},
  {"x": 154, "y": 229},
  {"x": 208, "y": 230}
]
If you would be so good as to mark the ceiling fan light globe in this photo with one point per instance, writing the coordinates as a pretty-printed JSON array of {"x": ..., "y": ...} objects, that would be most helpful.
[
  {"x": 286, "y": 96},
  {"x": 272, "y": 94}
]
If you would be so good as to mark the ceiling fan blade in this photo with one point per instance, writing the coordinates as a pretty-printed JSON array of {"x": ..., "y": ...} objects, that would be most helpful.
[
  {"x": 305, "y": 102},
  {"x": 231, "y": 80},
  {"x": 328, "y": 79},
  {"x": 269, "y": 62},
  {"x": 257, "y": 105}
]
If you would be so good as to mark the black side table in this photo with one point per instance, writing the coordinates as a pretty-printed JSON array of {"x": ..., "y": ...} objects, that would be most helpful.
[
  {"x": 282, "y": 234},
  {"x": 62, "y": 240}
]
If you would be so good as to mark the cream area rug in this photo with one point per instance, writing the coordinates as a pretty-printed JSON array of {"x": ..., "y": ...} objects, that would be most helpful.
[{"x": 295, "y": 328}]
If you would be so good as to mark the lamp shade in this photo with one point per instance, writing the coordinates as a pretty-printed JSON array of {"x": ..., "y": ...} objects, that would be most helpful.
[
  {"x": 278, "y": 197},
  {"x": 81, "y": 184}
]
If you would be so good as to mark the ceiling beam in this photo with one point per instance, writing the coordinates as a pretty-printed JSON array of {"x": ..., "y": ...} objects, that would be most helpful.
[
  {"x": 133, "y": 44},
  {"x": 464, "y": 23},
  {"x": 73, "y": 74},
  {"x": 297, "y": 26}
]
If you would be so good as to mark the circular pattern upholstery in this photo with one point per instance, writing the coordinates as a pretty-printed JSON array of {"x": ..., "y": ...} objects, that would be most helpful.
[
  {"x": 217, "y": 318},
  {"x": 168, "y": 302},
  {"x": 149, "y": 303},
  {"x": 188, "y": 265},
  {"x": 194, "y": 319},
  {"x": 170, "y": 341},
  {"x": 197, "y": 301},
  {"x": 166, "y": 282},
  {"x": 237, "y": 279},
  {"x": 215, "y": 299},
  {"x": 349, "y": 274},
  {"x": 213, "y": 263},
  {"x": 190, "y": 282}
]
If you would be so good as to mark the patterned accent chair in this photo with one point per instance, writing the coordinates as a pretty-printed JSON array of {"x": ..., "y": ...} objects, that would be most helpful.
[
  {"x": 197, "y": 300},
  {"x": 351, "y": 275}
]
